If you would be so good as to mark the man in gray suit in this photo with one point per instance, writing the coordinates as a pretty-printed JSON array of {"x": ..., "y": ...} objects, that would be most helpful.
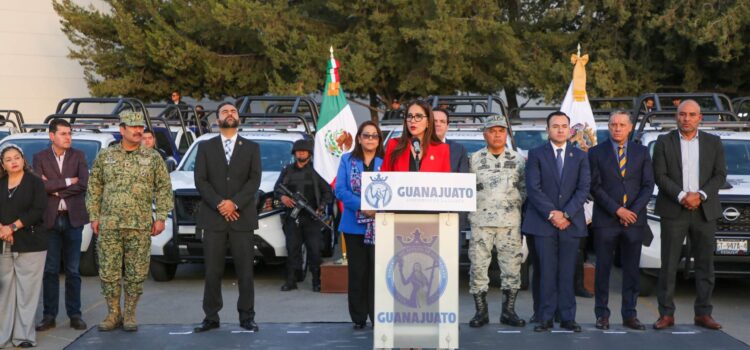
[{"x": 689, "y": 169}]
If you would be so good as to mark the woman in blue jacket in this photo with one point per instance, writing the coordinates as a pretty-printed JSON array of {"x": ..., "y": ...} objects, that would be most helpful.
[{"x": 358, "y": 225}]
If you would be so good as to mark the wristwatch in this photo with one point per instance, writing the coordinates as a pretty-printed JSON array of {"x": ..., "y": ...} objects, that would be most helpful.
[
  {"x": 13, "y": 227},
  {"x": 565, "y": 214}
]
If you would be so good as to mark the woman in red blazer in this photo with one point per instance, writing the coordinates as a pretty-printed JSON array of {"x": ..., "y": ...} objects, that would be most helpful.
[{"x": 434, "y": 155}]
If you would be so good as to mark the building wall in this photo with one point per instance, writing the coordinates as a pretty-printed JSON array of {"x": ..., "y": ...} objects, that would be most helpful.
[{"x": 35, "y": 72}]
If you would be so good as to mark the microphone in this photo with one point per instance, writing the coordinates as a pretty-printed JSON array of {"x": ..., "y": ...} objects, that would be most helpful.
[{"x": 415, "y": 144}]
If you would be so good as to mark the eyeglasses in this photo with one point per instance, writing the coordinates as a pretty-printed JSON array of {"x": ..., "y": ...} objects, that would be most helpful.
[
  {"x": 415, "y": 117},
  {"x": 370, "y": 136}
]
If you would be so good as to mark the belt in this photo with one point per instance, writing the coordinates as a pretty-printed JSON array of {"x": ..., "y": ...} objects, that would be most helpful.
[{"x": 62, "y": 212}]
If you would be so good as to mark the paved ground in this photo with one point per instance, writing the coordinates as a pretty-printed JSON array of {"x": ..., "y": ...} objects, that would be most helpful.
[{"x": 179, "y": 302}]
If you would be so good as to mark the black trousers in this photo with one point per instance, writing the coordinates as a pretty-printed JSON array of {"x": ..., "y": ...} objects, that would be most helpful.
[
  {"x": 361, "y": 258},
  {"x": 701, "y": 236},
  {"x": 214, "y": 251},
  {"x": 304, "y": 230},
  {"x": 606, "y": 241}
]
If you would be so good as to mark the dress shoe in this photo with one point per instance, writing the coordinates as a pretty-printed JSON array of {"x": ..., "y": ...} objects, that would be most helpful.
[
  {"x": 359, "y": 325},
  {"x": 76, "y": 322},
  {"x": 634, "y": 323},
  {"x": 602, "y": 323},
  {"x": 664, "y": 322},
  {"x": 534, "y": 319},
  {"x": 206, "y": 325},
  {"x": 706, "y": 321},
  {"x": 250, "y": 325},
  {"x": 47, "y": 322},
  {"x": 288, "y": 286},
  {"x": 543, "y": 326},
  {"x": 571, "y": 326},
  {"x": 26, "y": 344}
]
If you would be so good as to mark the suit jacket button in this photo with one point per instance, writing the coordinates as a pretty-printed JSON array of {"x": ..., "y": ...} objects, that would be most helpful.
[
  {"x": 559, "y": 196},
  {"x": 227, "y": 178}
]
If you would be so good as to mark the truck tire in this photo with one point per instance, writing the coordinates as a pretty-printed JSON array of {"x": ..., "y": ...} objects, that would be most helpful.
[
  {"x": 648, "y": 284},
  {"x": 89, "y": 264},
  {"x": 161, "y": 271}
]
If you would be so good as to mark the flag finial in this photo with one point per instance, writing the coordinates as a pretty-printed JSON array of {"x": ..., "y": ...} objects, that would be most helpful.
[
  {"x": 579, "y": 50},
  {"x": 331, "y": 50}
]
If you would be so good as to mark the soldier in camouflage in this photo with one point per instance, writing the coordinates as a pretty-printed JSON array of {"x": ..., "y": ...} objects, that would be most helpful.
[
  {"x": 125, "y": 181},
  {"x": 501, "y": 191}
]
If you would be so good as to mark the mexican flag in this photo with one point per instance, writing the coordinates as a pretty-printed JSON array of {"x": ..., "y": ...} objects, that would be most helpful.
[{"x": 336, "y": 127}]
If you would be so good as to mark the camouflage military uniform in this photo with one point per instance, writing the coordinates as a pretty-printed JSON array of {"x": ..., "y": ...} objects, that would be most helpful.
[
  {"x": 501, "y": 191},
  {"x": 122, "y": 187}
]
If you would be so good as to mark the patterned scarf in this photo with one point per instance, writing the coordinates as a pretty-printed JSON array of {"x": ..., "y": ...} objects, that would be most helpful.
[{"x": 356, "y": 183}]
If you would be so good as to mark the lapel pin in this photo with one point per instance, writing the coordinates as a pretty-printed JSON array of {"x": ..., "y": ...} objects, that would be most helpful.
[
  {"x": 240, "y": 142},
  {"x": 570, "y": 154}
]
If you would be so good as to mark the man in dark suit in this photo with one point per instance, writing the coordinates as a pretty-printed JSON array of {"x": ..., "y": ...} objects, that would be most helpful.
[
  {"x": 622, "y": 181},
  {"x": 557, "y": 184},
  {"x": 689, "y": 169},
  {"x": 227, "y": 175},
  {"x": 459, "y": 156},
  {"x": 65, "y": 174}
]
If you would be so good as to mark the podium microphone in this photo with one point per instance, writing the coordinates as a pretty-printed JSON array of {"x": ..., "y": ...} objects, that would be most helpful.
[{"x": 417, "y": 149}]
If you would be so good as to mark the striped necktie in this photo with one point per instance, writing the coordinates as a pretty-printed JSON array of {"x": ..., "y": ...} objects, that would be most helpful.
[
  {"x": 228, "y": 149},
  {"x": 622, "y": 161}
]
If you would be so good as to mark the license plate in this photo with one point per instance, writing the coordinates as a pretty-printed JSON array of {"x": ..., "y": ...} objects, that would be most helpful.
[{"x": 731, "y": 247}]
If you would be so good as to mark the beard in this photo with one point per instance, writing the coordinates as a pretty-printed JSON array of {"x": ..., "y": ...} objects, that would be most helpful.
[
  {"x": 228, "y": 123},
  {"x": 302, "y": 159}
]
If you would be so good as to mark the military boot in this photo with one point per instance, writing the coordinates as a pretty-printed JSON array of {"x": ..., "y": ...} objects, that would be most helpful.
[
  {"x": 509, "y": 315},
  {"x": 129, "y": 323},
  {"x": 315, "y": 279},
  {"x": 114, "y": 318},
  {"x": 482, "y": 317},
  {"x": 291, "y": 281}
]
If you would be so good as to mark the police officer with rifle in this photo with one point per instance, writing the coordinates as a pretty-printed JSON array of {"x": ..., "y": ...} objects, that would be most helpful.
[{"x": 305, "y": 195}]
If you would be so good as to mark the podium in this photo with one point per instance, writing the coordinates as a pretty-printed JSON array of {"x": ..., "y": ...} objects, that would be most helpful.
[{"x": 416, "y": 255}]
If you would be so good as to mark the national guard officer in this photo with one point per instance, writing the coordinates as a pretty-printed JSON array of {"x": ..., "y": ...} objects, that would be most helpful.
[
  {"x": 126, "y": 179},
  {"x": 299, "y": 226},
  {"x": 496, "y": 222}
]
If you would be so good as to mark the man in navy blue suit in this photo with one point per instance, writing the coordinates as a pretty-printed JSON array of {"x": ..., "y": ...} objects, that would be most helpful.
[
  {"x": 557, "y": 185},
  {"x": 622, "y": 181}
]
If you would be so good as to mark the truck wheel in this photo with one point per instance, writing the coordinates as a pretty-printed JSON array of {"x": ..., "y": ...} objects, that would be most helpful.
[
  {"x": 648, "y": 284},
  {"x": 525, "y": 277},
  {"x": 89, "y": 264},
  {"x": 161, "y": 271}
]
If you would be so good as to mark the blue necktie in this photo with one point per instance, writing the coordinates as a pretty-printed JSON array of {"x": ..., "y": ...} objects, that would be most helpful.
[{"x": 559, "y": 162}]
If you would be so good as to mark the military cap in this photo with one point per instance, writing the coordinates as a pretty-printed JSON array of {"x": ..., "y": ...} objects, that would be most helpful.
[
  {"x": 495, "y": 120},
  {"x": 130, "y": 118}
]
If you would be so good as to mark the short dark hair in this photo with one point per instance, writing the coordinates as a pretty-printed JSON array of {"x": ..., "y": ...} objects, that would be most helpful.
[
  {"x": 176, "y": 91},
  {"x": 56, "y": 123},
  {"x": 148, "y": 131},
  {"x": 556, "y": 113},
  {"x": 447, "y": 114}
]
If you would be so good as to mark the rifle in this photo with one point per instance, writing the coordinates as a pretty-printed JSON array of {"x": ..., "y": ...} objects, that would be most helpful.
[{"x": 302, "y": 204}]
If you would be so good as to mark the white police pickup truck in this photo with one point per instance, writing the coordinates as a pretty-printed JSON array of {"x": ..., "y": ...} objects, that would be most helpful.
[
  {"x": 731, "y": 256},
  {"x": 90, "y": 144},
  {"x": 178, "y": 243}
]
